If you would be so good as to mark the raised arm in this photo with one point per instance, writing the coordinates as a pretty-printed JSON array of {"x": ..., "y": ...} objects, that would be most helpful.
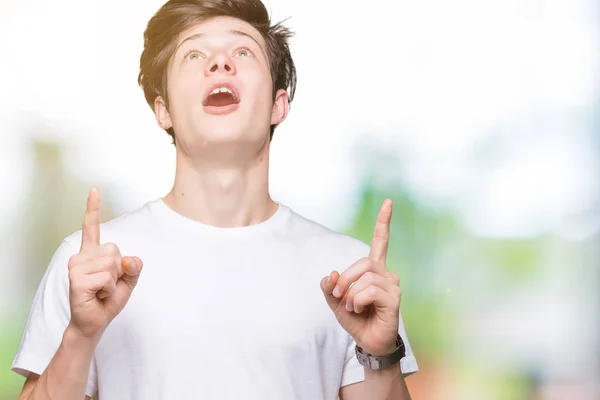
[{"x": 100, "y": 284}]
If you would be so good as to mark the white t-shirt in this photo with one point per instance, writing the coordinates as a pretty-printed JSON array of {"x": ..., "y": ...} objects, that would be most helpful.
[{"x": 218, "y": 313}]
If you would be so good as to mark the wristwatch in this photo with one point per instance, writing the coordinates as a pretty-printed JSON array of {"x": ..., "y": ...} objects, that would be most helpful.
[{"x": 382, "y": 362}]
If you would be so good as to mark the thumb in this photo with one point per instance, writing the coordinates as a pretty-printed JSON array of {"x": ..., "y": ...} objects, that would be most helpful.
[
  {"x": 132, "y": 267},
  {"x": 327, "y": 285}
]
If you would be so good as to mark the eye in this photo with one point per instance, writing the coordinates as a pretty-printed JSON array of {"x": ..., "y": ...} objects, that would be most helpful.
[
  {"x": 243, "y": 52},
  {"x": 193, "y": 55}
]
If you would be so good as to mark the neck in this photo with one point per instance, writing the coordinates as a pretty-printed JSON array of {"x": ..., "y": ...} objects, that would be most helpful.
[{"x": 223, "y": 196}]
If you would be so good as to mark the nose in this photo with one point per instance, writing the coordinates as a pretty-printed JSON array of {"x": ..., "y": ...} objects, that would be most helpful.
[{"x": 220, "y": 63}]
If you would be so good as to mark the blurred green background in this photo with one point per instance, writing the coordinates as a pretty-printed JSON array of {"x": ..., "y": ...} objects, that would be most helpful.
[{"x": 470, "y": 303}]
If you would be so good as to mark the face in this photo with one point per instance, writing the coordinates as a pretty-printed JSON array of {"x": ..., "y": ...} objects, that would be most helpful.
[{"x": 220, "y": 89}]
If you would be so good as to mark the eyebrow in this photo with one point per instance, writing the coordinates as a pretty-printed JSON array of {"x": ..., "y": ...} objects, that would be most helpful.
[{"x": 232, "y": 31}]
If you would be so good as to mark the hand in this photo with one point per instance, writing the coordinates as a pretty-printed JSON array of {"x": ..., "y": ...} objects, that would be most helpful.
[
  {"x": 366, "y": 297},
  {"x": 101, "y": 280}
]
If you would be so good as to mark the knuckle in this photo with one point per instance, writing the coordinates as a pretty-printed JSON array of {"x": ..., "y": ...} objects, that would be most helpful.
[
  {"x": 395, "y": 278},
  {"x": 75, "y": 282},
  {"x": 71, "y": 276},
  {"x": 397, "y": 301},
  {"x": 112, "y": 248},
  {"x": 372, "y": 291},
  {"x": 109, "y": 263},
  {"x": 369, "y": 277},
  {"x": 106, "y": 277},
  {"x": 370, "y": 264},
  {"x": 72, "y": 262},
  {"x": 396, "y": 294}
]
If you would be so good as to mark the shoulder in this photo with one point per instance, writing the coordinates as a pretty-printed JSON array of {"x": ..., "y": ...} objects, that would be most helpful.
[
  {"x": 127, "y": 224},
  {"x": 327, "y": 240}
]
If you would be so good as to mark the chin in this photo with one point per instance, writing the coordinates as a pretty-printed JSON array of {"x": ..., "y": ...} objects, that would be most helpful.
[
  {"x": 223, "y": 132},
  {"x": 227, "y": 146},
  {"x": 221, "y": 135}
]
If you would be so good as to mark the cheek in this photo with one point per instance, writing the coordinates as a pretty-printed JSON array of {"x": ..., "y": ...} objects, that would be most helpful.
[
  {"x": 183, "y": 92},
  {"x": 182, "y": 98},
  {"x": 258, "y": 80},
  {"x": 185, "y": 83},
  {"x": 266, "y": 94}
]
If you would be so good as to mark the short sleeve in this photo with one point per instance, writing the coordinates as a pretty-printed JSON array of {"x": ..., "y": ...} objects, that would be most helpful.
[
  {"x": 354, "y": 372},
  {"x": 48, "y": 318}
]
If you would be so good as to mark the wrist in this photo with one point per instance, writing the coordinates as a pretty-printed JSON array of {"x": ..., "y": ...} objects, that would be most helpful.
[
  {"x": 381, "y": 357},
  {"x": 73, "y": 337},
  {"x": 380, "y": 351}
]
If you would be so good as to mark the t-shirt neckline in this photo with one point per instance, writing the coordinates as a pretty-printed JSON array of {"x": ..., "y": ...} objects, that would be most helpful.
[{"x": 166, "y": 214}]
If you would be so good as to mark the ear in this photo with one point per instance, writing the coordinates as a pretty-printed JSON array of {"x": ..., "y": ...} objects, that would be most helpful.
[
  {"x": 162, "y": 114},
  {"x": 280, "y": 107}
]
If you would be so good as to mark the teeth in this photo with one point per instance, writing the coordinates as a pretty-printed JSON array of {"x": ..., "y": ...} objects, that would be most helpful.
[{"x": 222, "y": 90}]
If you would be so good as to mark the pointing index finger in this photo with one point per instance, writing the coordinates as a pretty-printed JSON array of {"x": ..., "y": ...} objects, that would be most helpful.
[
  {"x": 90, "y": 233},
  {"x": 381, "y": 236}
]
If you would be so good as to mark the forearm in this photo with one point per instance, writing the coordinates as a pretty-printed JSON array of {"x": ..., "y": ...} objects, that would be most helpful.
[
  {"x": 66, "y": 376},
  {"x": 387, "y": 384}
]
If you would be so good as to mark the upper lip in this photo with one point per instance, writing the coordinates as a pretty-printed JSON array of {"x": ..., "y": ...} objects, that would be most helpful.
[{"x": 226, "y": 85}]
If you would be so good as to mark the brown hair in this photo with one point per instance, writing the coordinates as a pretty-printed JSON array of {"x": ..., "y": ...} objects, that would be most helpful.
[{"x": 176, "y": 16}]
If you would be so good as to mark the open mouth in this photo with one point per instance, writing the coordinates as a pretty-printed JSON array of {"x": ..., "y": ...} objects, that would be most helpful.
[{"x": 221, "y": 95}]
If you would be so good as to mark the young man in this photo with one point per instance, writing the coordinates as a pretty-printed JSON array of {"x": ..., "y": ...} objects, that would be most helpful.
[{"x": 216, "y": 291}]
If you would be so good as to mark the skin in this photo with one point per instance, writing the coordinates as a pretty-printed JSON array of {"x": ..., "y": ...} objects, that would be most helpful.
[
  {"x": 365, "y": 299},
  {"x": 222, "y": 164},
  {"x": 101, "y": 281},
  {"x": 222, "y": 161}
]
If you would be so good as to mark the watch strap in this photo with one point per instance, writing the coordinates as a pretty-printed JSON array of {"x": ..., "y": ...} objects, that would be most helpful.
[{"x": 381, "y": 362}]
